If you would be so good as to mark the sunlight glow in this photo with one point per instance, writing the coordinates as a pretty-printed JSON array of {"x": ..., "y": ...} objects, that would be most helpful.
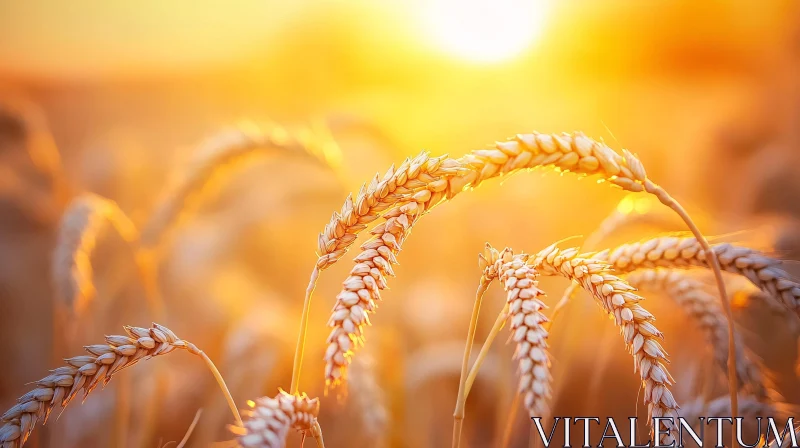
[{"x": 485, "y": 30}]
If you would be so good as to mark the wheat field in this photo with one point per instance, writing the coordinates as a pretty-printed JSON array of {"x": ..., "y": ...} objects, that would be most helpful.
[{"x": 314, "y": 231}]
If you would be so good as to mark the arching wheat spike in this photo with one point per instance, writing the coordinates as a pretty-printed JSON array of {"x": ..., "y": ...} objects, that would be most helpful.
[
  {"x": 673, "y": 252},
  {"x": 641, "y": 337},
  {"x": 85, "y": 373},
  {"x": 267, "y": 423},
  {"x": 361, "y": 290},
  {"x": 397, "y": 185},
  {"x": 226, "y": 149},
  {"x": 528, "y": 332},
  {"x": 83, "y": 221},
  {"x": 693, "y": 299}
]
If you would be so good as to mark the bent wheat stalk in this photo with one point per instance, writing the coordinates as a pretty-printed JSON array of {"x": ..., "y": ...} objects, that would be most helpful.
[
  {"x": 692, "y": 298},
  {"x": 85, "y": 373},
  {"x": 267, "y": 424},
  {"x": 80, "y": 226},
  {"x": 575, "y": 153}
]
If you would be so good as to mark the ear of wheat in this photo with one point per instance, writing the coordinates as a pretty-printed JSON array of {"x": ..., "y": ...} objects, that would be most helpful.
[
  {"x": 616, "y": 297},
  {"x": 85, "y": 373},
  {"x": 527, "y": 328},
  {"x": 674, "y": 252},
  {"x": 361, "y": 290},
  {"x": 413, "y": 175},
  {"x": 226, "y": 149},
  {"x": 267, "y": 423},
  {"x": 691, "y": 297},
  {"x": 83, "y": 221}
]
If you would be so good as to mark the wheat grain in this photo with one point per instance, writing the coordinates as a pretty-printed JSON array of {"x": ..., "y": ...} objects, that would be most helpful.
[
  {"x": 85, "y": 373},
  {"x": 268, "y": 423},
  {"x": 616, "y": 297},
  {"x": 80, "y": 226},
  {"x": 674, "y": 252},
  {"x": 691, "y": 297}
]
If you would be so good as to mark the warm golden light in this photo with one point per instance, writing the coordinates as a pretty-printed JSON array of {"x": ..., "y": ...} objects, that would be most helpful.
[{"x": 485, "y": 30}]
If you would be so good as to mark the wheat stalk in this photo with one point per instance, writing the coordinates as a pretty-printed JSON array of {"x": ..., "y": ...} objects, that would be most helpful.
[
  {"x": 215, "y": 157},
  {"x": 86, "y": 372},
  {"x": 268, "y": 423},
  {"x": 567, "y": 152},
  {"x": 616, "y": 297},
  {"x": 692, "y": 298},
  {"x": 674, "y": 252},
  {"x": 83, "y": 220}
]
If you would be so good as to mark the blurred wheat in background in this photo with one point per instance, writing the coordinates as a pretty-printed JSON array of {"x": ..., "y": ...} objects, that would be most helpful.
[{"x": 179, "y": 162}]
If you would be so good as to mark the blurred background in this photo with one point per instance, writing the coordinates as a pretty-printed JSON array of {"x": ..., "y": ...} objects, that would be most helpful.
[{"x": 706, "y": 93}]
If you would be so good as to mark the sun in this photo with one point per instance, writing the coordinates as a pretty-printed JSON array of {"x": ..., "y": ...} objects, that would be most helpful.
[{"x": 484, "y": 30}]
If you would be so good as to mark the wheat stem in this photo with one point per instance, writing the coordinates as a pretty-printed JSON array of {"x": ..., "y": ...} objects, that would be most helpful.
[
  {"x": 189, "y": 431},
  {"x": 222, "y": 386},
  {"x": 670, "y": 202},
  {"x": 499, "y": 323},
  {"x": 301, "y": 338},
  {"x": 458, "y": 414}
]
